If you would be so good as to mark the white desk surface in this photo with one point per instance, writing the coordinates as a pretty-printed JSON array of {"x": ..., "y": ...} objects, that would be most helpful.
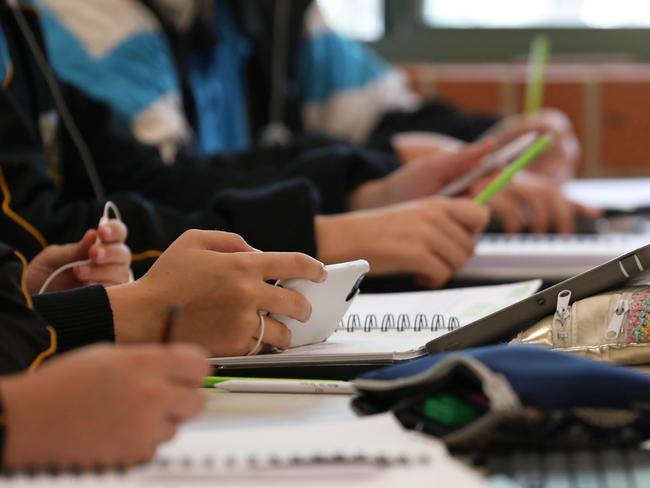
[{"x": 225, "y": 410}]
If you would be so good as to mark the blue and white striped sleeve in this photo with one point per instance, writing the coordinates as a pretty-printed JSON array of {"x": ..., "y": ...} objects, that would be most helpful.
[{"x": 346, "y": 86}]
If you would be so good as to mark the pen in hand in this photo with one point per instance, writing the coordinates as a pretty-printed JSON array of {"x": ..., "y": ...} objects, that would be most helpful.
[
  {"x": 170, "y": 324},
  {"x": 503, "y": 178}
]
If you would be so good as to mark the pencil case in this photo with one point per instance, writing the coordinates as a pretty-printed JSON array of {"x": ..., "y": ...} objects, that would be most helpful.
[
  {"x": 512, "y": 396},
  {"x": 613, "y": 326}
]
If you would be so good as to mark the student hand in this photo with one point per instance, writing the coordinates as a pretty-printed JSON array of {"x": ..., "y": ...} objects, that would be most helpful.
[
  {"x": 111, "y": 261},
  {"x": 410, "y": 146},
  {"x": 420, "y": 178},
  {"x": 535, "y": 203},
  {"x": 220, "y": 282},
  {"x": 101, "y": 406},
  {"x": 430, "y": 238},
  {"x": 560, "y": 160}
]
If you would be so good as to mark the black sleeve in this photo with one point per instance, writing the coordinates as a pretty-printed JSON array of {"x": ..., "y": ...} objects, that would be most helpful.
[
  {"x": 126, "y": 165},
  {"x": 23, "y": 335},
  {"x": 34, "y": 329},
  {"x": 433, "y": 116},
  {"x": 80, "y": 317}
]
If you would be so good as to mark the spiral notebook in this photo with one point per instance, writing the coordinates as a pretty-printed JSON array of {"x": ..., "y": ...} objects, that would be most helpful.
[
  {"x": 367, "y": 452},
  {"x": 389, "y": 327},
  {"x": 550, "y": 257}
]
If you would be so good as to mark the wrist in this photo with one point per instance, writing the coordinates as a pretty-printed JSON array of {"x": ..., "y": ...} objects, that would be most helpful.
[
  {"x": 332, "y": 237},
  {"x": 372, "y": 194},
  {"x": 137, "y": 315}
]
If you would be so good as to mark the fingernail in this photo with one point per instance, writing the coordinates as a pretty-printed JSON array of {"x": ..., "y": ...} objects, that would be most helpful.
[
  {"x": 311, "y": 310},
  {"x": 324, "y": 275},
  {"x": 101, "y": 254},
  {"x": 107, "y": 231},
  {"x": 83, "y": 271},
  {"x": 256, "y": 250}
]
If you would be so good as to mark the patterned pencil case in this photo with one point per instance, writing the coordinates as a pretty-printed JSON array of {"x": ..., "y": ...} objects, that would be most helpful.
[{"x": 613, "y": 326}]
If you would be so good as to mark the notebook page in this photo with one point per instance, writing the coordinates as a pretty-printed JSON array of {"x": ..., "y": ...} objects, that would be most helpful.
[
  {"x": 619, "y": 194},
  {"x": 464, "y": 304},
  {"x": 370, "y": 452},
  {"x": 378, "y": 436},
  {"x": 555, "y": 257}
]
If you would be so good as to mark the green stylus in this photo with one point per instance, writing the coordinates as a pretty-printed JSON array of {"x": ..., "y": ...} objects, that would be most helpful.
[
  {"x": 539, "y": 53},
  {"x": 527, "y": 157}
]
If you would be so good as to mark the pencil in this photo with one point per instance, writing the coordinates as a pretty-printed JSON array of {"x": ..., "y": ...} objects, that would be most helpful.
[
  {"x": 537, "y": 61},
  {"x": 169, "y": 325},
  {"x": 509, "y": 172}
]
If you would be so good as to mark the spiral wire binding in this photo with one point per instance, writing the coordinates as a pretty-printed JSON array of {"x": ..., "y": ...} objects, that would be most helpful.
[{"x": 401, "y": 323}]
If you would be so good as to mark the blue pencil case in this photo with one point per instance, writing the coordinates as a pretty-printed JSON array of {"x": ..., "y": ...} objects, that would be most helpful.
[{"x": 507, "y": 396}]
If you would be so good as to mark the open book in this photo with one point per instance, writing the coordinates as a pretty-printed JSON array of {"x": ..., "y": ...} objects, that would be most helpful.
[{"x": 384, "y": 328}]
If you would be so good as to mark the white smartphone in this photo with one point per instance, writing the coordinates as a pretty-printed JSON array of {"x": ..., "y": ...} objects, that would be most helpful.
[
  {"x": 329, "y": 300},
  {"x": 493, "y": 161}
]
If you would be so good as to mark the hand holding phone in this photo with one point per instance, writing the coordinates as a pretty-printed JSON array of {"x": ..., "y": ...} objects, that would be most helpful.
[{"x": 330, "y": 301}]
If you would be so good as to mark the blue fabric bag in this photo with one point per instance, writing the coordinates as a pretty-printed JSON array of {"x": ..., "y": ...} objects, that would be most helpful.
[{"x": 512, "y": 396}]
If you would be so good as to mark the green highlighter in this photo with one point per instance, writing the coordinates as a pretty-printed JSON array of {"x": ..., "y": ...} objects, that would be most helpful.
[{"x": 525, "y": 159}]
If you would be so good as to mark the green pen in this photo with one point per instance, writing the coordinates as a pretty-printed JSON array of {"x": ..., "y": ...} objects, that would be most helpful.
[
  {"x": 527, "y": 157},
  {"x": 539, "y": 54}
]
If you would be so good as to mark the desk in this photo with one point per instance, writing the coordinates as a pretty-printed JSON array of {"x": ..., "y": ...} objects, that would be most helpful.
[{"x": 225, "y": 410}]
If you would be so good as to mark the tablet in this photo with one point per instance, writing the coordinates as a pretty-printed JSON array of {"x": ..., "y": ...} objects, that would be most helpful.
[{"x": 505, "y": 323}]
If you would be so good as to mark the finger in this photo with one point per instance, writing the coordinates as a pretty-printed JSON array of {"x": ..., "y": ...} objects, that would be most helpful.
[
  {"x": 448, "y": 250},
  {"x": 539, "y": 207},
  {"x": 464, "y": 160},
  {"x": 564, "y": 215},
  {"x": 106, "y": 274},
  {"x": 283, "y": 266},
  {"x": 512, "y": 221},
  {"x": 110, "y": 254},
  {"x": 470, "y": 215},
  {"x": 431, "y": 270},
  {"x": 282, "y": 301},
  {"x": 587, "y": 212},
  {"x": 216, "y": 241},
  {"x": 186, "y": 364},
  {"x": 276, "y": 334},
  {"x": 112, "y": 231},
  {"x": 182, "y": 403},
  {"x": 80, "y": 250},
  {"x": 458, "y": 234},
  {"x": 166, "y": 431}
]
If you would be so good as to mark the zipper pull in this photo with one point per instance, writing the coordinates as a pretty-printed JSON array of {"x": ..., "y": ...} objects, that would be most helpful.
[
  {"x": 561, "y": 319},
  {"x": 616, "y": 322}
]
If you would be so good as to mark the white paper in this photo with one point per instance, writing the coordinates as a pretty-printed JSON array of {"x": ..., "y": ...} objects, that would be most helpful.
[
  {"x": 552, "y": 257},
  {"x": 617, "y": 194}
]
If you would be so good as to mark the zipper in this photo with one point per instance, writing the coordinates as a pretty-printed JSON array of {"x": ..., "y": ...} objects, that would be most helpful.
[
  {"x": 617, "y": 319},
  {"x": 562, "y": 320}
]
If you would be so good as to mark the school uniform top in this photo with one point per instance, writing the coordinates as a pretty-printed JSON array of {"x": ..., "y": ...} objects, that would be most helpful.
[{"x": 270, "y": 197}]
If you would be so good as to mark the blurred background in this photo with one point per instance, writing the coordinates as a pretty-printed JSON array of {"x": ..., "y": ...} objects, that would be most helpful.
[{"x": 473, "y": 53}]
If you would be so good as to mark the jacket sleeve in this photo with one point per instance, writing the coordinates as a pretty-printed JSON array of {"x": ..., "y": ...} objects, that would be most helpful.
[
  {"x": 126, "y": 165},
  {"x": 24, "y": 335},
  {"x": 433, "y": 116},
  {"x": 36, "y": 328},
  {"x": 35, "y": 212}
]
